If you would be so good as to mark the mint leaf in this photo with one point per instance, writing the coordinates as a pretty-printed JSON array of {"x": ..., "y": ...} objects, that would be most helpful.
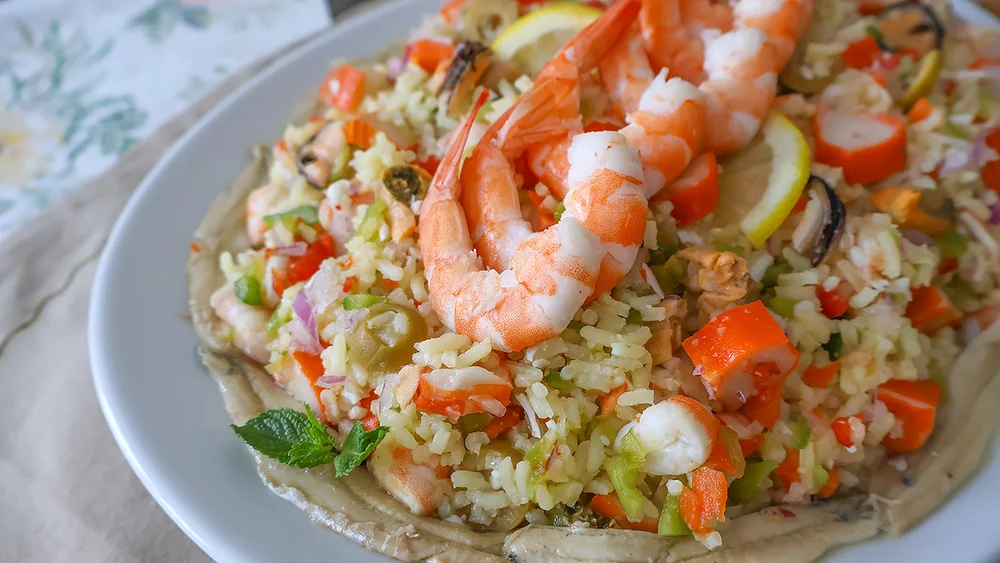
[
  {"x": 288, "y": 436},
  {"x": 358, "y": 445}
]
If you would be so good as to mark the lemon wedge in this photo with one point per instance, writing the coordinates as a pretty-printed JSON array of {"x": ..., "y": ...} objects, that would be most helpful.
[
  {"x": 535, "y": 38},
  {"x": 923, "y": 83},
  {"x": 759, "y": 186}
]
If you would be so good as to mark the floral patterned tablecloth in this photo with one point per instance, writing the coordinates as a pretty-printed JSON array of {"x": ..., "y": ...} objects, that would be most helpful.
[{"x": 82, "y": 80}]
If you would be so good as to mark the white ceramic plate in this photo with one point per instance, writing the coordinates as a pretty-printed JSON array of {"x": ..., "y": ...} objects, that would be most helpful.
[{"x": 164, "y": 409}]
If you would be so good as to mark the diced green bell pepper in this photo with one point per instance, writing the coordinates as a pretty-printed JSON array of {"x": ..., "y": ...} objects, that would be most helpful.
[
  {"x": 772, "y": 272},
  {"x": 820, "y": 478},
  {"x": 368, "y": 229},
  {"x": 671, "y": 521},
  {"x": 281, "y": 315},
  {"x": 248, "y": 290},
  {"x": 361, "y": 301},
  {"x": 745, "y": 489},
  {"x": 783, "y": 306},
  {"x": 556, "y": 382},
  {"x": 559, "y": 210},
  {"x": 309, "y": 214},
  {"x": 953, "y": 244},
  {"x": 662, "y": 253},
  {"x": 800, "y": 433}
]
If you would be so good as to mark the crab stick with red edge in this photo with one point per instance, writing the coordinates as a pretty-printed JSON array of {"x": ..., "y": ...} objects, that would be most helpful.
[
  {"x": 458, "y": 392},
  {"x": 741, "y": 352},
  {"x": 930, "y": 310},
  {"x": 428, "y": 53},
  {"x": 841, "y": 427},
  {"x": 836, "y": 302},
  {"x": 914, "y": 404},
  {"x": 869, "y": 147},
  {"x": 695, "y": 193},
  {"x": 862, "y": 53},
  {"x": 343, "y": 88}
]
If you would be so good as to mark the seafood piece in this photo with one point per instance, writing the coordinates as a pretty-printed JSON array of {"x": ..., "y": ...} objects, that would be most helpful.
[
  {"x": 668, "y": 333},
  {"x": 551, "y": 273},
  {"x": 263, "y": 201},
  {"x": 457, "y": 392},
  {"x": 248, "y": 323},
  {"x": 325, "y": 154},
  {"x": 741, "y": 353},
  {"x": 722, "y": 276},
  {"x": 417, "y": 485},
  {"x": 677, "y": 434}
]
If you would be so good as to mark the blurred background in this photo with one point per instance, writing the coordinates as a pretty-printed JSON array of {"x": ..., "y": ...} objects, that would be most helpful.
[{"x": 82, "y": 80}]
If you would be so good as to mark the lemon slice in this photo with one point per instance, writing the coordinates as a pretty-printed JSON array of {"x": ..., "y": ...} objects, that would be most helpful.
[
  {"x": 535, "y": 38},
  {"x": 923, "y": 83},
  {"x": 759, "y": 186}
]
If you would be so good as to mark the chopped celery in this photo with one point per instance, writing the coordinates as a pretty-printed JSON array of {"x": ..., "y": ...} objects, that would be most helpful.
[
  {"x": 537, "y": 458},
  {"x": 783, "y": 306},
  {"x": 834, "y": 346},
  {"x": 341, "y": 167},
  {"x": 953, "y": 244},
  {"x": 662, "y": 253},
  {"x": 634, "y": 317},
  {"x": 559, "y": 210},
  {"x": 309, "y": 214},
  {"x": 361, "y": 301},
  {"x": 622, "y": 471},
  {"x": 671, "y": 521},
  {"x": 670, "y": 274},
  {"x": 368, "y": 229},
  {"x": 281, "y": 315},
  {"x": 820, "y": 478},
  {"x": 734, "y": 248},
  {"x": 248, "y": 290},
  {"x": 770, "y": 278},
  {"x": 474, "y": 422},
  {"x": 800, "y": 433},
  {"x": 556, "y": 382},
  {"x": 745, "y": 489}
]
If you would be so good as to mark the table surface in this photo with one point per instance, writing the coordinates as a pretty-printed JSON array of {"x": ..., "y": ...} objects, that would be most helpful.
[{"x": 82, "y": 80}]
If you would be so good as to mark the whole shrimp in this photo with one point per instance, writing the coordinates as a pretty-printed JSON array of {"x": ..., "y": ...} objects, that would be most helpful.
[{"x": 551, "y": 273}]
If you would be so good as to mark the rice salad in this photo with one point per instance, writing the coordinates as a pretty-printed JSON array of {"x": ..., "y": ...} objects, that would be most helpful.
[{"x": 785, "y": 329}]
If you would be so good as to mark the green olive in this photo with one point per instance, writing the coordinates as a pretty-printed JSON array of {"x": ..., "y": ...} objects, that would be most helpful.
[{"x": 384, "y": 339}]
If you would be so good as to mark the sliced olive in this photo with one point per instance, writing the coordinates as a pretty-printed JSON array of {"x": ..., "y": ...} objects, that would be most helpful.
[
  {"x": 324, "y": 156},
  {"x": 908, "y": 25},
  {"x": 923, "y": 82},
  {"x": 406, "y": 183},
  {"x": 792, "y": 79},
  {"x": 467, "y": 66},
  {"x": 822, "y": 221},
  {"x": 384, "y": 339}
]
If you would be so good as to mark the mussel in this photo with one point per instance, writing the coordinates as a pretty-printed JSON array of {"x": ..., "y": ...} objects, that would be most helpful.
[
  {"x": 909, "y": 26},
  {"x": 470, "y": 62},
  {"x": 822, "y": 222},
  {"x": 324, "y": 157}
]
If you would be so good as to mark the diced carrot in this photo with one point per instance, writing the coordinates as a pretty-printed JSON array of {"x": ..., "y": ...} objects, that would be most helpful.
[
  {"x": 831, "y": 486},
  {"x": 751, "y": 444},
  {"x": 947, "y": 265},
  {"x": 704, "y": 504},
  {"x": 301, "y": 268},
  {"x": 428, "y": 53},
  {"x": 836, "y": 302},
  {"x": 820, "y": 376},
  {"x": 195, "y": 247},
  {"x": 727, "y": 454},
  {"x": 545, "y": 217},
  {"x": 350, "y": 283},
  {"x": 359, "y": 133},
  {"x": 788, "y": 470},
  {"x": 902, "y": 205},
  {"x": 990, "y": 172},
  {"x": 343, "y": 88},
  {"x": 842, "y": 431},
  {"x": 312, "y": 367},
  {"x": 429, "y": 164},
  {"x": 729, "y": 350},
  {"x": 920, "y": 111},
  {"x": 695, "y": 193},
  {"x": 451, "y": 400},
  {"x": 609, "y": 506},
  {"x": 931, "y": 310},
  {"x": 800, "y": 205},
  {"x": 914, "y": 404},
  {"x": 501, "y": 424},
  {"x": 370, "y": 421},
  {"x": 609, "y": 402},
  {"x": 986, "y": 316},
  {"x": 862, "y": 53},
  {"x": 869, "y": 147},
  {"x": 452, "y": 9},
  {"x": 870, "y": 8}
]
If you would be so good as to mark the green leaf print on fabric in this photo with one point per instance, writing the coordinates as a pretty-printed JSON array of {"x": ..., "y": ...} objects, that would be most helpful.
[{"x": 160, "y": 19}]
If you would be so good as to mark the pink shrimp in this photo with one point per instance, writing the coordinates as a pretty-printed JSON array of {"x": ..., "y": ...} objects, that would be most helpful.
[
  {"x": 263, "y": 201},
  {"x": 415, "y": 484},
  {"x": 552, "y": 272},
  {"x": 248, "y": 323}
]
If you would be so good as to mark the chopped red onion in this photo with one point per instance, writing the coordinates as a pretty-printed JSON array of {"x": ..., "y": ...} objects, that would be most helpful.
[
  {"x": 297, "y": 249},
  {"x": 954, "y": 159},
  {"x": 328, "y": 381},
  {"x": 970, "y": 330},
  {"x": 303, "y": 310},
  {"x": 321, "y": 290},
  {"x": 994, "y": 215}
]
